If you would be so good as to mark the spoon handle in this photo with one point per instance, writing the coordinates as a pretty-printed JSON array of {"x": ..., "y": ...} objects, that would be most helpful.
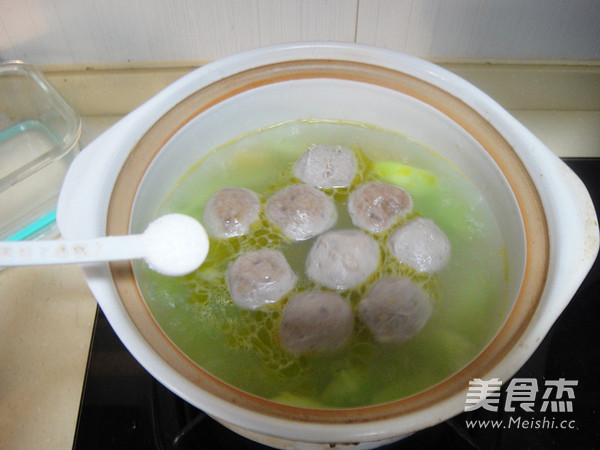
[
  {"x": 172, "y": 245},
  {"x": 111, "y": 248}
]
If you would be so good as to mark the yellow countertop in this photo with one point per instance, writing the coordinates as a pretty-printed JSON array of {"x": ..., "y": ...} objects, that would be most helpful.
[{"x": 47, "y": 313}]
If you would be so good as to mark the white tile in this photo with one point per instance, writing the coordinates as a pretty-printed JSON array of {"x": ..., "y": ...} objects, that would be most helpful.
[
  {"x": 105, "y": 31},
  {"x": 437, "y": 29}
]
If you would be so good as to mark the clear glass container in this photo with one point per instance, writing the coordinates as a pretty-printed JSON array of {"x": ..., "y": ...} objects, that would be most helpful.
[{"x": 39, "y": 137}]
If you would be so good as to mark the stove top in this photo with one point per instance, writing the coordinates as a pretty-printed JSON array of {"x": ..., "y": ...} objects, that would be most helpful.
[{"x": 123, "y": 407}]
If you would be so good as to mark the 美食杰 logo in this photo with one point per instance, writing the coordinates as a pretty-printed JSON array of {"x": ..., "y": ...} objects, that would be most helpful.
[{"x": 544, "y": 401}]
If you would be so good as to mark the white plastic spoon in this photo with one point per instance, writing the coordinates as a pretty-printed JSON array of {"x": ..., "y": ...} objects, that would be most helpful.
[{"x": 173, "y": 245}]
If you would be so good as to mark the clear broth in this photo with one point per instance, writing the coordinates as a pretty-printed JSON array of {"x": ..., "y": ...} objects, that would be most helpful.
[{"x": 241, "y": 347}]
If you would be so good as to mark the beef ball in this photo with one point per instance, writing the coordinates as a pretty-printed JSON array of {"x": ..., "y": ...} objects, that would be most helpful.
[
  {"x": 301, "y": 211},
  {"x": 422, "y": 245},
  {"x": 395, "y": 309},
  {"x": 230, "y": 211},
  {"x": 375, "y": 207},
  {"x": 342, "y": 259},
  {"x": 258, "y": 278},
  {"x": 315, "y": 321},
  {"x": 326, "y": 166}
]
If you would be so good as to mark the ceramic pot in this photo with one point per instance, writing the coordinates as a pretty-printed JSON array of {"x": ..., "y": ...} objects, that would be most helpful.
[{"x": 544, "y": 213}]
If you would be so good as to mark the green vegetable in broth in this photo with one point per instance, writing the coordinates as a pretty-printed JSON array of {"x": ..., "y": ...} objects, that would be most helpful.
[
  {"x": 411, "y": 178},
  {"x": 465, "y": 299}
]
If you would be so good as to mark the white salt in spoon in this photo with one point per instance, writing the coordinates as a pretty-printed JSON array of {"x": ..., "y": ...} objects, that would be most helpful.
[{"x": 173, "y": 245}]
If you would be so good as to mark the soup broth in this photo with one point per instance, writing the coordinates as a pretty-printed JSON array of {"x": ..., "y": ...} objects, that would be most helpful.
[{"x": 242, "y": 347}]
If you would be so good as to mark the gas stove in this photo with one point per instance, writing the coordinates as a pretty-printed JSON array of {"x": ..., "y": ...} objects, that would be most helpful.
[{"x": 124, "y": 407}]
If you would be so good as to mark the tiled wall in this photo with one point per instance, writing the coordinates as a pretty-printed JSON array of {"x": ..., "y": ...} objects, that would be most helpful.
[{"x": 120, "y": 31}]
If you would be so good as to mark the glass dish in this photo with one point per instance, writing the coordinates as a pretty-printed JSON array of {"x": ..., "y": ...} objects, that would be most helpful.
[{"x": 39, "y": 136}]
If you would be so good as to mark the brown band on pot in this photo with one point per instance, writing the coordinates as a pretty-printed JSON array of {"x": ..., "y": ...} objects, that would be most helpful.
[{"x": 140, "y": 157}]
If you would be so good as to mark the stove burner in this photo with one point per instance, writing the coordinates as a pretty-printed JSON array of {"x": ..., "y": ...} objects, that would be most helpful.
[{"x": 180, "y": 426}]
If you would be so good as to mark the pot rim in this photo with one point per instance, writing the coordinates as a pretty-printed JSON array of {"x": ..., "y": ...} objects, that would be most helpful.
[
  {"x": 573, "y": 231},
  {"x": 345, "y": 68}
]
